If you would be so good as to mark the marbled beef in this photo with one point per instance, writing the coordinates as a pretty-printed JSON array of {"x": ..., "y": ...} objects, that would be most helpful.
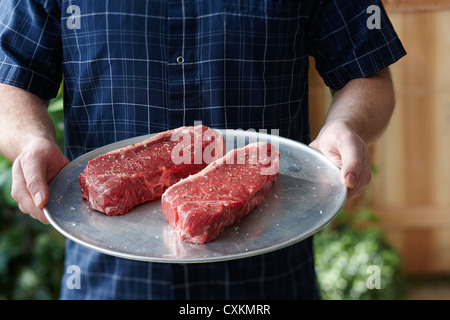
[
  {"x": 201, "y": 206},
  {"x": 119, "y": 180}
]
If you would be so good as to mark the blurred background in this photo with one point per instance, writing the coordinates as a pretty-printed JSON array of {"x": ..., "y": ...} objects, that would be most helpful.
[
  {"x": 410, "y": 193},
  {"x": 400, "y": 224}
]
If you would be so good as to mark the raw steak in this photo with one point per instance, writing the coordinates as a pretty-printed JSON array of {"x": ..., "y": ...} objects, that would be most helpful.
[
  {"x": 119, "y": 180},
  {"x": 201, "y": 206}
]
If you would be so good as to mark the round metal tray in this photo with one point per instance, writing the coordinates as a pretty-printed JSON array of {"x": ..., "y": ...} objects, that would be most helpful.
[{"x": 306, "y": 197}]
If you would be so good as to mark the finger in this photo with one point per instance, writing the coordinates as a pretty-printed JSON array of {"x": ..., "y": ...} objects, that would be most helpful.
[
  {"x": 64, "y": 162},
  {"x": 315, "y": 145},
  {"x": 352, "y": 154},
  {"x": 20, "y": 193},
  {"x": 364, "y": 177},
  {"x": 27, "y": 206},
  {"x": 19, "y": 190},
  {"x": 35, "y": 176},
  {"x": 359, "y": 186}
]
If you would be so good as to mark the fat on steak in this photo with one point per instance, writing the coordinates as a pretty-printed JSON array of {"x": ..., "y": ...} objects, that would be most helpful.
[
  {"x": 201, "y": 206},
  {"x": 119, "y": 180}
]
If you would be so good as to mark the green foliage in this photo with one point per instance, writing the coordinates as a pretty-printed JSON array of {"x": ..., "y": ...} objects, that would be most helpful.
[
  {"x": 5, "y": 184},
  {"x": 55, "y": 109},
  {"x": 31, "y": 258},
  {"x": 344, "y": 253},
  {"x": 31, "y": 254}
]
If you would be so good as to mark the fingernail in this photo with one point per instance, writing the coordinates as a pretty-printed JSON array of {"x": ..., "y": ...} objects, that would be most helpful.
[
  {"x": 350, "y": 179},
  {"x": 38, "y": 199}
]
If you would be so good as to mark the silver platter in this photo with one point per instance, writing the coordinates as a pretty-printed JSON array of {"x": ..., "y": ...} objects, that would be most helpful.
[{"x": 307, "y": 196}]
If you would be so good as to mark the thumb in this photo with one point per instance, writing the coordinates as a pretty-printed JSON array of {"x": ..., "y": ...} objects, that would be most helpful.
[
  {"x": 355, "y": 171},
  {"x": 35, "y": 178},
  {"x": 351, "y": 155},
  {"x": 43, "y": 175}
]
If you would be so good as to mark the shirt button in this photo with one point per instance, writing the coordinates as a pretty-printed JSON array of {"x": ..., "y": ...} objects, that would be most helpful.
[{"x": 180, "y": 59}]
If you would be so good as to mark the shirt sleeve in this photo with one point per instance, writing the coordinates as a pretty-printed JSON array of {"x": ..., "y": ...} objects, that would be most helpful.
[
  {"x": 351, "y": 39},
  {"x": 30, "y": 46}
]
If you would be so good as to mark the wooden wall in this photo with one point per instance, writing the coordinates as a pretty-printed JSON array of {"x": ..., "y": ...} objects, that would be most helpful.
[
  {"x": 413, "y": 186},
  {"x": 415, "y": 5},
  {"x": 411, "y": 191}
]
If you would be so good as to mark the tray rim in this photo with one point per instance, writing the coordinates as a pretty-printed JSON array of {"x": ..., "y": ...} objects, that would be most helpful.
[{"x": 118, "y": 144}]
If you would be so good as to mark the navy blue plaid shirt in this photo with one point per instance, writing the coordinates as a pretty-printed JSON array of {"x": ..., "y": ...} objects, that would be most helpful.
[{"x": 137, "y": 67}]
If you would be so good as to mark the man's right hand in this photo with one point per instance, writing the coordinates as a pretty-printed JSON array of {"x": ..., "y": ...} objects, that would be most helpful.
[{"x": 39, "y": 161}]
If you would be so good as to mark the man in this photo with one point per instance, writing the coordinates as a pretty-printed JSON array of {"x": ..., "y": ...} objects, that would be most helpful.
[{"x": 138, "y": 67}]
